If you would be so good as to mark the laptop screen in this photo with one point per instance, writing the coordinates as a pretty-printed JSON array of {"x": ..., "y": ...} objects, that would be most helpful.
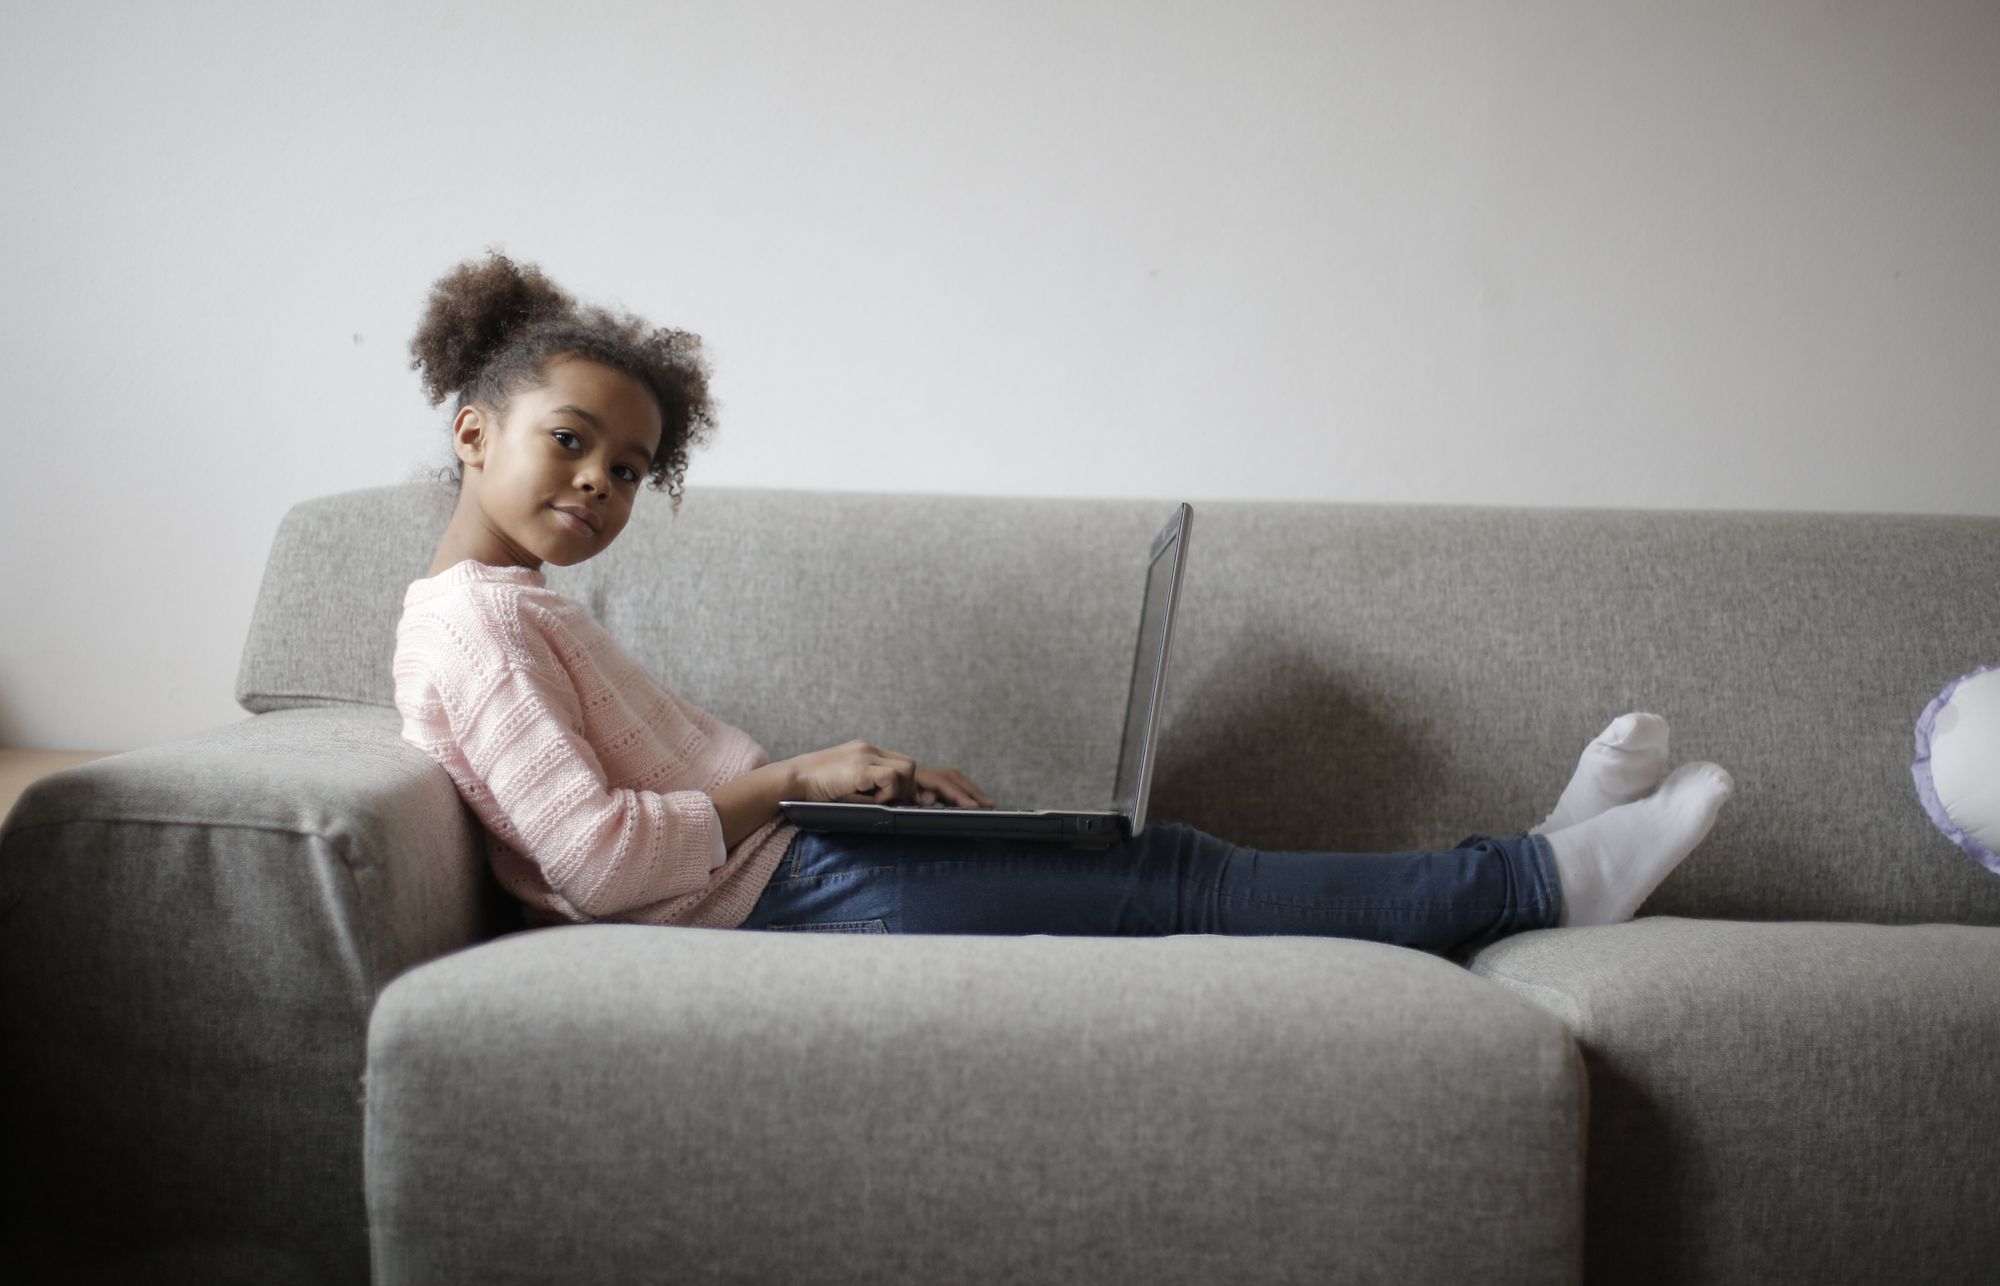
[{"x": 1149, "y": 667}]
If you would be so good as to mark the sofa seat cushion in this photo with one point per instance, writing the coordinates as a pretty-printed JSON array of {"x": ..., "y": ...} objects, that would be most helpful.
[
  {"x": 1780, "y": 1102},
  {"x": 610, "y": 1102}
]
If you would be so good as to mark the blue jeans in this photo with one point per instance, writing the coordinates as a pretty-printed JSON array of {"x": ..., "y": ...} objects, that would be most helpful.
[{"x": 1168, "y": 879}]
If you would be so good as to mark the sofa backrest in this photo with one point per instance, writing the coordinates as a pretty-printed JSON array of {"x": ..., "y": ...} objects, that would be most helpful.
[{"x": 1348, "y": 677}]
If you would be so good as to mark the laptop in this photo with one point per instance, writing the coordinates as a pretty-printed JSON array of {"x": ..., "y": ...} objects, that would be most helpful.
[{"x": 1125, "y": 816}]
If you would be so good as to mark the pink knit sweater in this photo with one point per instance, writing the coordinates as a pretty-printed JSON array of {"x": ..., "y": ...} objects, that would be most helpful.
[{"x": 589, "y": 775}]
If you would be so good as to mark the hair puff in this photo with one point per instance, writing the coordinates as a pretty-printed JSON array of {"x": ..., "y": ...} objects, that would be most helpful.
[{"x": 491, "y": 329}]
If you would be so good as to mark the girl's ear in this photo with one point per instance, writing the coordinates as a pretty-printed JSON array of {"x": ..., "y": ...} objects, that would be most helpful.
[{"x": 468, "y": 435}]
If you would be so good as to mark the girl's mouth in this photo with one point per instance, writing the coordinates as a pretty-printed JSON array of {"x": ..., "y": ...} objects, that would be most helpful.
[{"x": 576, "y": 524}]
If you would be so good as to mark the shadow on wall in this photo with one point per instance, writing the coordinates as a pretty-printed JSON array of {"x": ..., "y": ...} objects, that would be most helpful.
[{"x": 1270, "y": 748}]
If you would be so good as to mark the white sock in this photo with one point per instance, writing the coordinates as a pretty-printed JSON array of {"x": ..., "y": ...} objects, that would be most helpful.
[
  {"x": 1611, "y": 863},
  {"x": 1625, "y": 762}
]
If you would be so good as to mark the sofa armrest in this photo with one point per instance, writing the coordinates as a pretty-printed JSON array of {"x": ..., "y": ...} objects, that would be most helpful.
[{"x": 192, "y": 937}]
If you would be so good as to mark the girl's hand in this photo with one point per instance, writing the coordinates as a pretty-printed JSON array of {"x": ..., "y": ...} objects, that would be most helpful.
[
  {"x": 863, "y": 773},
  {"x": 856, "y": 773},
  {"x": 956, "y": 789}
]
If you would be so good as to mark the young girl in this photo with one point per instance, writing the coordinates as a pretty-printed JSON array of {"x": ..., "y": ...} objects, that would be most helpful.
[{"x": 607, "y": 796}]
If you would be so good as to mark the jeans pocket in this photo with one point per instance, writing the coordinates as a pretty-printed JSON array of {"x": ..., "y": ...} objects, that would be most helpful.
[
  {"x": 834, "y": 926},
  {"x": 788, "y": 865}
]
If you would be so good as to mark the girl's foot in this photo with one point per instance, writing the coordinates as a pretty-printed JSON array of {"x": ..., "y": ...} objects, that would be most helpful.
[
  {"x": 1611, "y": 863},
  {"x": 1626, "y": 761}
]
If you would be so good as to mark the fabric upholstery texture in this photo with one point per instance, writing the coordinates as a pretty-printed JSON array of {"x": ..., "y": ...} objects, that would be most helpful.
[
  {"x": 621, "y": 1103},
  {"x": 1781, "y": 1103}
]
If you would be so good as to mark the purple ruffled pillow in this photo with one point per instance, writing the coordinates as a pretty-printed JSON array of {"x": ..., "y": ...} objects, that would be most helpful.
[{"x": 1957, "y": 768}]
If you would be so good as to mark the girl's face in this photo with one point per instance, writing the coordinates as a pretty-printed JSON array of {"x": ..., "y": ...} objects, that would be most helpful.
[{"x": 556, "y": 480}]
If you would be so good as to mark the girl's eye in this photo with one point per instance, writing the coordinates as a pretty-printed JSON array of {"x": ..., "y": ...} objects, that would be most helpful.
[{"x": 630, "y": 474}]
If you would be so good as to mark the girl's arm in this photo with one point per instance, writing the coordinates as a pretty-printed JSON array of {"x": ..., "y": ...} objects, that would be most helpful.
[
  {"x": 511, "y": 739},
  {"x": 747, "y": 802}
]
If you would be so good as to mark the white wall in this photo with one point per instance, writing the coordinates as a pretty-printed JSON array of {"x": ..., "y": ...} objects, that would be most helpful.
[{"x": 1562, "y": 253}]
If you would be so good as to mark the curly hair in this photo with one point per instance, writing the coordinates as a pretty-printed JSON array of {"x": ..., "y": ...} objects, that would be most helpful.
[{"x": 492, "y": 328}]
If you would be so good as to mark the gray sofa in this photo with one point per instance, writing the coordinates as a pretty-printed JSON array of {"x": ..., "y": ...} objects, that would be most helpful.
[{"x": 265, "y": 1018}]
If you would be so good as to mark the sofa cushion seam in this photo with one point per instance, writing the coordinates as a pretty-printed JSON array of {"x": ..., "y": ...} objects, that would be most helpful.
[
  {"x": 1574, "y": 1001},
  {"x": 311, "y": 696},
  {"x": 24, "y": 827}
]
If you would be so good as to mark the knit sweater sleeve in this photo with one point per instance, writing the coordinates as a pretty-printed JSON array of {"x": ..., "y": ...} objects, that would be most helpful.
[{"x": 540, "y": 787}]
